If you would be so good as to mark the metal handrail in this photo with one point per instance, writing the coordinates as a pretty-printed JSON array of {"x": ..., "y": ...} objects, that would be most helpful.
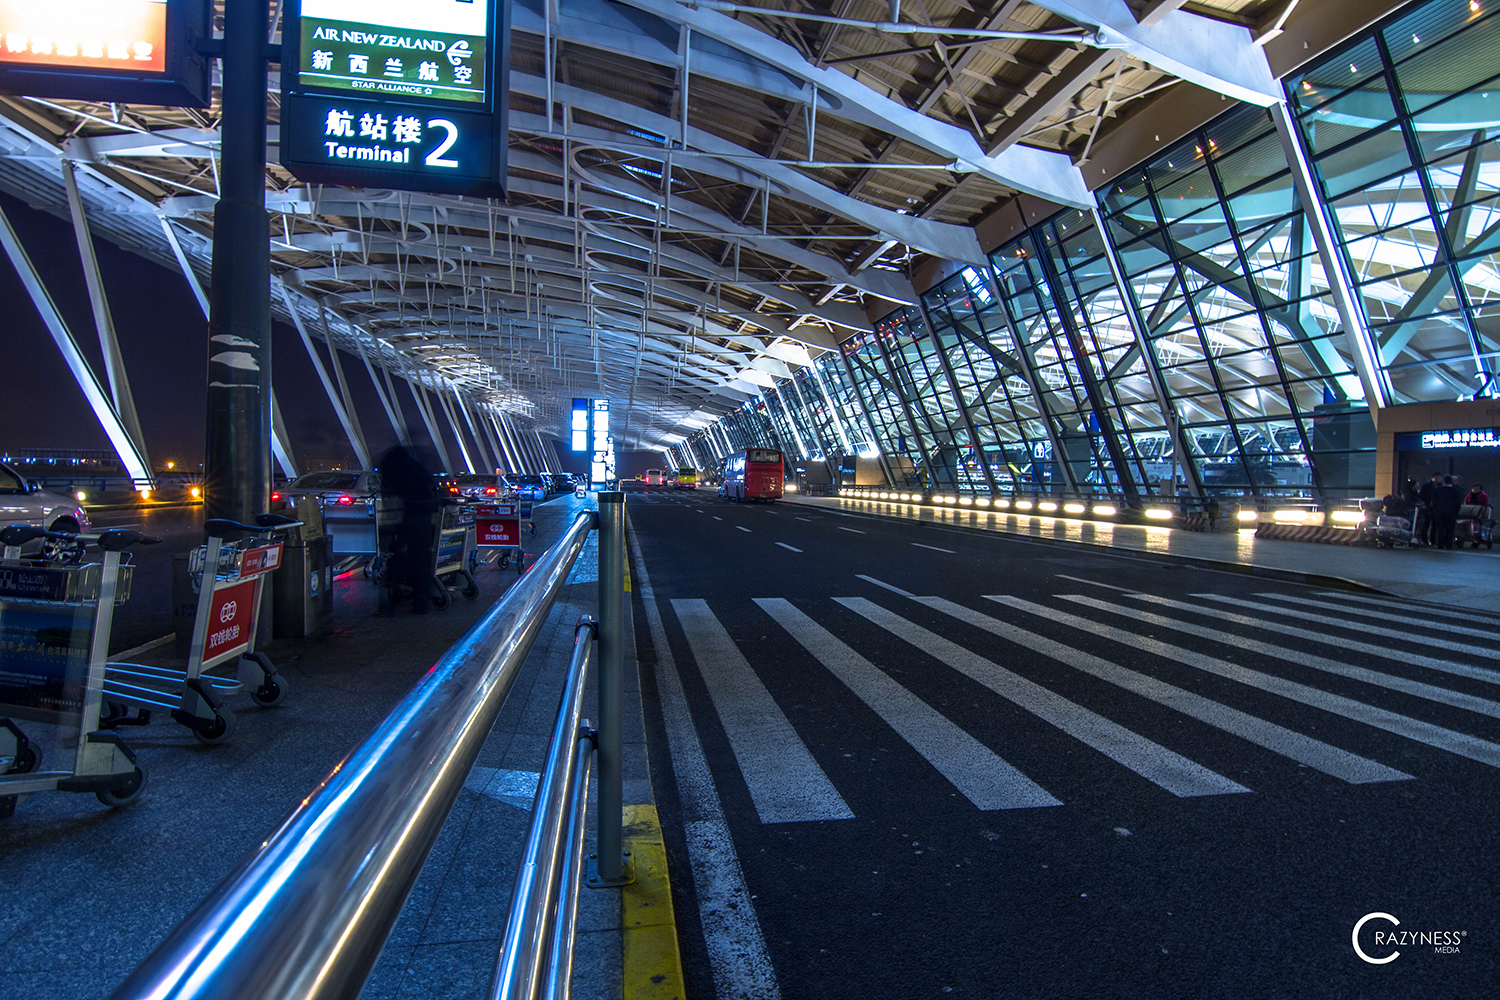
[
  {"x": 537, "y": 944},
  {"x": 307, "y": 913}
]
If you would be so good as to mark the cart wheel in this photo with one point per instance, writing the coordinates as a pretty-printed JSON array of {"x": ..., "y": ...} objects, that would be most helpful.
[
  {"x": 272, "y": 692},
  {"x": 441, "y": 600},
  {"x": 127, "y": 793},
  {"x": 471, "y": 589},
  {"x": 504, "y": 560},
  {"x": 533, "y": 526},
  {"x": 27, "y": 760},
  {"x": 217, "y": 731},
  {"x": 111, "y": 712},
  {"x": 520, "y": 563}
]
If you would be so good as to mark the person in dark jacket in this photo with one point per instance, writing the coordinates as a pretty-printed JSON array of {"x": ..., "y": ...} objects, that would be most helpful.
[
  {"x": 1446, "y": 500},
  {"x": 1423, "y": 527},
  {"x": 404, "y": 476}
]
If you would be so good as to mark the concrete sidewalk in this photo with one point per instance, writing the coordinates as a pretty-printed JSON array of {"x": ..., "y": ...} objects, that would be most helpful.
[
  {"x": 90, "y": 891},
  {"x": 1459, "y": 578}
]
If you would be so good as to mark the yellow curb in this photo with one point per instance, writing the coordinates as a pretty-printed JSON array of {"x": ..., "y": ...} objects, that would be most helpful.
[{"x": 652, "y": 962}]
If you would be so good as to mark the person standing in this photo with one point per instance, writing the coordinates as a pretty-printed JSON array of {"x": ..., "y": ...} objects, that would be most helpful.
[
  {"x": 405, "y": 477},
  {"x": 1422, "y": 527},
  {"x": 1477, "y": 496},
  {"x": 1446, "y": 501}
]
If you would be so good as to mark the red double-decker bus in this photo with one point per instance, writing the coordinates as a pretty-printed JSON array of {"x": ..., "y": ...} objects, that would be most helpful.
[{"x": 754, "y": 474}]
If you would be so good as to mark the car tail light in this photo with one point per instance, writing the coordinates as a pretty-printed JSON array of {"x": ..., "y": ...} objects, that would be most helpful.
[
  {"x": 275, "y": 497},
  {"x": 345, "y": 500},
  {"x": 490, "y": 491}
]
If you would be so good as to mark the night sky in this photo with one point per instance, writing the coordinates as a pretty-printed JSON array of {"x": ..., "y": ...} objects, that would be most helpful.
[{"x": 164, "y": 340}]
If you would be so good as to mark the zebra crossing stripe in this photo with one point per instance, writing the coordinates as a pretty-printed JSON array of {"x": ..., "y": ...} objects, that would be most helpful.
[
  {"x": 731, "y": 930},
  {"x": 1368, "y": 629},
  {"x": 1413, "y": 729},
  {"x": 1447, "y": 628},
  {"x": 786, "y": 784},
  {"x": 1278, "y": 739},
  {"x": 1155, "y": 763},
  {"x": 973, "y": 768},
  {"x": 1292, "y": 631},
  {"x": 1431, "y": 692},
  {"x": 1466, "y": 615}
]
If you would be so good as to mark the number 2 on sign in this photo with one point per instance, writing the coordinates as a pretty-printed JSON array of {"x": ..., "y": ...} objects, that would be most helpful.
[{"x": 436, "y": 158}]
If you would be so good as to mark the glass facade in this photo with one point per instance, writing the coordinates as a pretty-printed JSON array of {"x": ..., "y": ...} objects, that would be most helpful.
[
  {"x": 1184, "y": 337},
  {"x": 1401, "y": 128}
]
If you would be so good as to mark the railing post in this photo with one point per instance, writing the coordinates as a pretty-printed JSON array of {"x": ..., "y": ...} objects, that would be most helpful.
[{"x": 609, "y": 868}]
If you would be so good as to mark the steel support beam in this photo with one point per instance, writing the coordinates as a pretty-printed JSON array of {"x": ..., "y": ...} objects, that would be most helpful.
[
  {"x": 134, "y": 461},
  {"x": 356, "y": 441}
]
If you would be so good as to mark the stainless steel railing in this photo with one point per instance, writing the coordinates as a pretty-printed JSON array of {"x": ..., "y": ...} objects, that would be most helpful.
[{"x": 306, "y": 914}]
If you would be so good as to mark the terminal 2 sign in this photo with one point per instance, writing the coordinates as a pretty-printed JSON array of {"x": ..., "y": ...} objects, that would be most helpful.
[
  {"x": 141, "y": 51},
  {"x": 404, "y": 94}
]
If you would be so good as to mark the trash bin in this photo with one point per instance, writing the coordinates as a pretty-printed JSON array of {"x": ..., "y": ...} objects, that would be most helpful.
[{"x": 302, "y": 588}]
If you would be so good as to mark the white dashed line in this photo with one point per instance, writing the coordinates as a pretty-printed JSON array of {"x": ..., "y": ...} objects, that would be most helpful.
[
  {"x": 717, "y": 518},
  {"x": 855, "y": 530},
  {"x": 742, "y": 527},
  {"x": 934, "y": 548},
  {"x": 804, "y": 519},
  {"x": 789, "y": 548}
]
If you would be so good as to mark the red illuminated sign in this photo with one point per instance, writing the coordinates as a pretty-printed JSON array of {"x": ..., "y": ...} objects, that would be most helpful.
[
  {"x": 85, "y": 34},
  {"x": 261, "y": 560},
  {"x": 231, "y": 621},
  {"x": 497, "y": 525}
]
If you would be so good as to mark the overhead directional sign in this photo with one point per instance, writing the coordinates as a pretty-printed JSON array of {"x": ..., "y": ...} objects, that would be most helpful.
[
  {"x": 403, "y": 94},
  {"x": 142, "y": 51}
]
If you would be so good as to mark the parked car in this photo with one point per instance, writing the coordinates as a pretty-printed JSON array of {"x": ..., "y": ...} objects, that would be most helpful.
[
  {"x": 521, "y": 482},
  {"x": 24, "y": 502},
  {"x": 480, "y": 486},
  {"x": 330, "y": 488},
  {"x": 558, "y": 482}
]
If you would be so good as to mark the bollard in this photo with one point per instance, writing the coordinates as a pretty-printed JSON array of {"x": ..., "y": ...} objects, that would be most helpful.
[{"x": 610, "y": 862}]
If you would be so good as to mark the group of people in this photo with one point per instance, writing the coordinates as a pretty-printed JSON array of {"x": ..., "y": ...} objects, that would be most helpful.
[{"x": 1435, "y": 505}]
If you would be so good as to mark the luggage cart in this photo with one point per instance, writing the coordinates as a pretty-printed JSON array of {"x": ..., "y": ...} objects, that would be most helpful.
[
  {"x": 55, "y": 621},
  {"x": 497, "y": 528},
  {"x": 454, "y": 551},
  {"x": 229, "y": 578}
]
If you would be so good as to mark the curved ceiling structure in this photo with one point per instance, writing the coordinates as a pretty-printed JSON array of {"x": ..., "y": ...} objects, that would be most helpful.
[{"x": 702, "y": 196}]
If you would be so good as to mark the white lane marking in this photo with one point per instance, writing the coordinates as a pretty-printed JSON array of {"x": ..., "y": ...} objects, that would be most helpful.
[
  {"x": 1391, "y": 682},
  {"x": 855, "y": 530},
  {"x": 717, "y": 518},
  {"x": 1094, "y": 583},
  {"x": 804, "y": 518},
  {"x": 973, "y": 768},
  {"x": 731, "y": 930},
  {"x": 934, "y": 548},
  {"x": 1445, "y": 627},
  {"x": 888, "y": 586},
  {"x": 1413, "y": 729},
  {"x": 1277, "y": 739},
  {"x": 1292, "y": 631},
  {"x": 1465, "y": 615},
  {"x": 1152, "y": 761},
  {"x": 742, "y": 527},
  {"x": 771, "y": 513},
  {"x": 789, "y": 548},
  {"x": 1389, "y": 633},
  {"x": 786, "y": 784}
]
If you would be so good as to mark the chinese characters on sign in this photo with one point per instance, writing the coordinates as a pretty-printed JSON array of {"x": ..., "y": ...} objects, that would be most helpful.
[
  {"x": 231, "y": 622},
  {"x": 123, "y": 34},
  {"x": 418, "y": 48},
  {"x": 1481, "y": 437}
]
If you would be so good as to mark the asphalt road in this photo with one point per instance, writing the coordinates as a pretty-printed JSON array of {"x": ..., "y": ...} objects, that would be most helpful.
[
  {"x": 901, "y": 761},
  {"x": 148, "y": 613}
]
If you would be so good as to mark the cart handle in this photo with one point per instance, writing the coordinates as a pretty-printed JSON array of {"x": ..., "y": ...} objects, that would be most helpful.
[
  {"x": 219, "y": 526},
  {"x": 110, "y": 540}
]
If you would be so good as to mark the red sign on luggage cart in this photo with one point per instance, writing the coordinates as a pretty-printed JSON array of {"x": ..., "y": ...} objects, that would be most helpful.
[
  {"x": 261, "y": 560},
  {"x": 497, "y": 525},
  {"x": 231, "y": 622}
]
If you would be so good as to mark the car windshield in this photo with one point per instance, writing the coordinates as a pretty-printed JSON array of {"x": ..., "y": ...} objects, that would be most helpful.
[
  {"x": 10, "y": 482},
  {"x": 327, "y": 481}
]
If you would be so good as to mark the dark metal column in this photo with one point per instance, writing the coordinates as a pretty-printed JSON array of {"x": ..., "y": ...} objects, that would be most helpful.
[
  {"x": 237, "y": 458},
  {"x": 609, "y": 866}
]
